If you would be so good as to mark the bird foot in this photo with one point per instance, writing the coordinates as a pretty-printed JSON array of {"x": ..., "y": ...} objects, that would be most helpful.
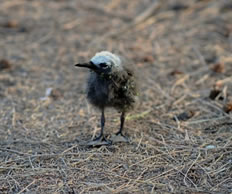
[
  {"x": 119, "y": 138},
  {"x": 99, "y": 141}
]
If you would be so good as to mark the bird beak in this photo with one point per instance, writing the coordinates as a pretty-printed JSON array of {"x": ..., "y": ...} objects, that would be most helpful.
[{"x": 87, "y": 65}]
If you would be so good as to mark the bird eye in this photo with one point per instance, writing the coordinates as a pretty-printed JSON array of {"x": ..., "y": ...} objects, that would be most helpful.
[{"x": 103, "y": 65}]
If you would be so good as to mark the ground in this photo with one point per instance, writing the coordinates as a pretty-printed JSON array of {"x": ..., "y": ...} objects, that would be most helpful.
[{"x": 180, "y": 132}]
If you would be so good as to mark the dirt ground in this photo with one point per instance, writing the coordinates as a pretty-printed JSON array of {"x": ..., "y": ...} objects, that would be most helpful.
[{"x": 181, "y": 131}]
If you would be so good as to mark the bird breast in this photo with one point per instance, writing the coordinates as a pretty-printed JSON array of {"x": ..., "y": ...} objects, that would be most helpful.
[{"x": 97, "y": 90}]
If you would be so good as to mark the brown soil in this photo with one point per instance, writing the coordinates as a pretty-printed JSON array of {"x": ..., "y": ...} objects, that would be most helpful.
[{"x": 181, "y": 130}]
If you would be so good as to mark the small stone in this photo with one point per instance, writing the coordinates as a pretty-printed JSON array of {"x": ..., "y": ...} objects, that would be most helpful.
[{"x": 210, "y": 147}]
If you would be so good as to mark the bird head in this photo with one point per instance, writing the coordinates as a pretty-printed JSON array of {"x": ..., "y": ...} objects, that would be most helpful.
[{"x": 103, "y": 62}]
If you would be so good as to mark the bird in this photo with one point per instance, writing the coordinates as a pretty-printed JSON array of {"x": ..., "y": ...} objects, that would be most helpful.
[{"x": 111, "y": 84}]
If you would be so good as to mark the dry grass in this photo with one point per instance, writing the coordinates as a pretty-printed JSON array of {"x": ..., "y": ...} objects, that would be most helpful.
[{"x": 180, "y": 134}]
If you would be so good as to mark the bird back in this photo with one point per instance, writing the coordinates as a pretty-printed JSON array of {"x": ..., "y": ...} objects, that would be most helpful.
[{"x": 122, "y": 90}]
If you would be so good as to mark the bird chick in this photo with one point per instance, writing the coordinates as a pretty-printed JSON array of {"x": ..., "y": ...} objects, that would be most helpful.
[{"x": 110, "y": 84}]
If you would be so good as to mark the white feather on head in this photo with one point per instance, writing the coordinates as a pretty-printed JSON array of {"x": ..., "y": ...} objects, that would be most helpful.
[{"x": 107, "y": 58}]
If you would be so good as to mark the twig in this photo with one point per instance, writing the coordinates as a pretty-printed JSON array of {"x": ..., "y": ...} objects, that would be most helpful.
[
  {"x": 220, "y": 183},
  {"x": 15, "y": 152},
  {"x": 186, "y": 174},
  {"x": 25, "y": 188}
]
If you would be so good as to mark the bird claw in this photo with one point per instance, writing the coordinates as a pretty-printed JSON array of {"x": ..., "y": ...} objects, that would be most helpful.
[
  {"x": 99, "y": 141},
  {"x": 119, "y": 138}
]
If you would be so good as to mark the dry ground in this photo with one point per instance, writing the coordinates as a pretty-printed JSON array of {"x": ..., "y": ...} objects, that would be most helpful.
[{"x": 181, "y": 131}]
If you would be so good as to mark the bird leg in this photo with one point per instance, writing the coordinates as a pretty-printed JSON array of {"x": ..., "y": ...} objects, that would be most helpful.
[
  {"x": 100, "y": 140},
  {"x": 101, "y": 135},
  {"x": 122, "y": 119},
  {"x": 119, "y": 137}
]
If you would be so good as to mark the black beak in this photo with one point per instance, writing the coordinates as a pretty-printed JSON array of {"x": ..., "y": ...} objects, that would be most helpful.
[{"x": 87, "y": 65}]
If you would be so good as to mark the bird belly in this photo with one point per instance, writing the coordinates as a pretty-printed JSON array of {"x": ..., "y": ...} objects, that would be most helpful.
[{"x": 97, "y": 93}]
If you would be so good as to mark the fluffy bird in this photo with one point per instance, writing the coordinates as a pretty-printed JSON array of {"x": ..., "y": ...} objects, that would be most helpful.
[{"x": 110, "y": 84}]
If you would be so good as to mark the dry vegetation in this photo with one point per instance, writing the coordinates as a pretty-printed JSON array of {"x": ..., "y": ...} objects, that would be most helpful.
[{"x": 181, "y": 132}]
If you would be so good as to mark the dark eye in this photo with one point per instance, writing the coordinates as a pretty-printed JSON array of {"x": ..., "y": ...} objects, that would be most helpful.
[{"x": 103, "y": 65}]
